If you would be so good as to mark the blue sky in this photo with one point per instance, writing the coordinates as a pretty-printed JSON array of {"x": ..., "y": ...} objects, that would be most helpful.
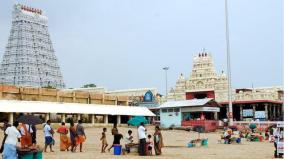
[{"x": 122, "y": 44}]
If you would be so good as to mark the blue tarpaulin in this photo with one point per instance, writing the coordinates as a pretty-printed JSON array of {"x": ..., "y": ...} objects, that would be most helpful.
[{"x": 136, "y": 121}]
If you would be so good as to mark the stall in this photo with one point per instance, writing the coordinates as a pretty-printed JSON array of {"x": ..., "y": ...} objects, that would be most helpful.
[{"x": 190, "y": 113}]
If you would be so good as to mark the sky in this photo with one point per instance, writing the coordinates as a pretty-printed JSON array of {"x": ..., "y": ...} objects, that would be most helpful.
[{"x": 122, "y": 44}]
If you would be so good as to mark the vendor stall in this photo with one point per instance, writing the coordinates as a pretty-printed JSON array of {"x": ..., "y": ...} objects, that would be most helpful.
[{"x": 190, "y": 113}]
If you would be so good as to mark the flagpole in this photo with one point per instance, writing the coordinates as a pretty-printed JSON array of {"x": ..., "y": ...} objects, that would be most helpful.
[{"x": 230, "y": 115}]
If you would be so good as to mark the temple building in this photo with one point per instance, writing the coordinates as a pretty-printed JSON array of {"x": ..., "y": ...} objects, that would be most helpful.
[
  {"x": 248, "y": 103},
  {"x": 29, "y": 58}
]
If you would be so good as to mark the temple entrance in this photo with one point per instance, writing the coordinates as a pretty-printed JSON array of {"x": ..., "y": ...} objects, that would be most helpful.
[{"x": 200, "y": 95}]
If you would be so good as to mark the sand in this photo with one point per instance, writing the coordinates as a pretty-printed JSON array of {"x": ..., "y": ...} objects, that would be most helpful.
[{"x": 175, "y": 147}]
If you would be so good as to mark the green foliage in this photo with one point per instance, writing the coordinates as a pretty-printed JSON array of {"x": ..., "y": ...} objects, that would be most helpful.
[
  {"x": 48, "y": 87},
  {"x": 90, "y": 85}
]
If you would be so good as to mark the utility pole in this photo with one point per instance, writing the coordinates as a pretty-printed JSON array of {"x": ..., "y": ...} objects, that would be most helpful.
[{"x": 166, "y": 73}]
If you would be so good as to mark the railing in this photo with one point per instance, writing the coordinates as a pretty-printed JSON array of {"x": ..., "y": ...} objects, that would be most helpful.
[{"x": 209, "y": 125}]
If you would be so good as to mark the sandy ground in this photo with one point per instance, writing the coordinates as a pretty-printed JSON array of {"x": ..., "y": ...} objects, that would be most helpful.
[{"x": 175, "y": 147}]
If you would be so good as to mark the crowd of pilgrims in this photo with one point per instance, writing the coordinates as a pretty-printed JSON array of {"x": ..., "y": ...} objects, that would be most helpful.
[{"x": 26, "y": 135}]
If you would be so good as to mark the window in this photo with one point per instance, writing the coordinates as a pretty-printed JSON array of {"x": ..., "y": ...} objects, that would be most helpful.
[
  {"x": 176, "y": 109},
  {"x": 164, "y": 110},
  {"x": 171, "y": 110}
]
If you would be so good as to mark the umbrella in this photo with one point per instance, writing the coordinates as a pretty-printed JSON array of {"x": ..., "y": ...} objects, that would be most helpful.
[
  {"x": 30, "y": 120},
  {"x": 136, "y": 121}
]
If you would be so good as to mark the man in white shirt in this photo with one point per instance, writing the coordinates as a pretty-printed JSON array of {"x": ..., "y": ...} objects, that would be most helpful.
[
  {"x": 48, "y": 134},
  {"x": 12, "y": 137},
  {"x": 142, "y": 139}
]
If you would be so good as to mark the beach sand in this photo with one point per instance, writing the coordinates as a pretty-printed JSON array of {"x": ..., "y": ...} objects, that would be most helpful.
[{"x": 175, "y": 146}]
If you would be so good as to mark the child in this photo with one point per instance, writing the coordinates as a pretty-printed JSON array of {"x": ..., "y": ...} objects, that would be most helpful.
[
  {"x": 150, "y": 144},
  {"x": 104, "y": 140},
  {"x": 128, "y": 141}
]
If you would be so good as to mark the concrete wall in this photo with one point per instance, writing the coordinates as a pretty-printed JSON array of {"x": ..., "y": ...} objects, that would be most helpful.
[
  {"x": 9, "y": 92},
  {"x": 169, "y": 119}
]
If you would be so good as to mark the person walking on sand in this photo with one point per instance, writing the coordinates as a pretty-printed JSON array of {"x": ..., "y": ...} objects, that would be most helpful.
[
  {"x": 158, "y": 141},
  {"x": 73, "y": 136},
  {"x": 142, "y": 139},
  {"x": 48, "y": 133},
  {"x": 81, "y": 136},
  {"x": 64, "y": 140},
  {"x": 104, "y": 141}
]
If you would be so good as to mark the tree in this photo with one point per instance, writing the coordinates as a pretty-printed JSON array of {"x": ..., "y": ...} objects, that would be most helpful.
[{"x": 90, "y": 85}]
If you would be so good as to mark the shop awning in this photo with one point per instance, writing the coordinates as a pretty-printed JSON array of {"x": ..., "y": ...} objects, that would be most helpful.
[
  {"x": 206, "y": 102},
  {"x": 200, "y": 109},
  {"x": 8, "y": 106}
]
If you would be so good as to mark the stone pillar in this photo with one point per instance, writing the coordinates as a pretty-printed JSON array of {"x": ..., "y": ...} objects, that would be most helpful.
[
  {"x": 63, "y": 118},
  {"x": 253, "y": 107},
  {"x": 11, "y": 118},
  {"x": 47, "y": 117},
  {"x": 274, "y": 111},
  {"x": 78, "y": 116},
  {"x": 241, "y": 112},
  {"x": 74, "y": 97},
  {"x": 270, "y": 111},
  {"x": 93, "y": 119},
  {"x": 279, "y": 110},
  {"x": 106, "y": 119},
  {"x": 118, "y": 119},
  {"x": 266, "y": 111},
  {"x": 215, "y": 115},
  {"x": 227, "y": 111}
]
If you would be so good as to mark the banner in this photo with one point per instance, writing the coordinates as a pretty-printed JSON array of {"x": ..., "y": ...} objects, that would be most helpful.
[
  {"x": 260, "y": 114},
  {"x": 247, "y": 113}
]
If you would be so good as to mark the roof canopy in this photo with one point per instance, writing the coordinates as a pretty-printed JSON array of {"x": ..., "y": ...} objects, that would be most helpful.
[
  {"x": 8, "y": 106},
  {"x": 190, "y": 103}
]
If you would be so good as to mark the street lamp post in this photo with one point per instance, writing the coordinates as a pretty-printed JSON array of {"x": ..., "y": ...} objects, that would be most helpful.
[
  {"x": 166, "y": 73},
  {"x": 229, "y": 66}
]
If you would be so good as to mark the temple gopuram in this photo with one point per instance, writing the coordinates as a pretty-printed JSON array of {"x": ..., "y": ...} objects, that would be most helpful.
[{"x": 248, "y": 103}]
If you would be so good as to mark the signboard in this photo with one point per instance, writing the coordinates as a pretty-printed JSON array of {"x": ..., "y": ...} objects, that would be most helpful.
[
  {"x": 148, "y": 97},
  {"x": 247, "y": 112},
  {"x": 211, "y": 109},
  {"x": 280, "y": 147},
  {"x": 280, "y": 124},
  {"x": 260, "y": 114}
]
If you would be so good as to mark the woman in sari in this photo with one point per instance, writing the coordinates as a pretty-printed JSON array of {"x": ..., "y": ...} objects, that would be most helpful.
[
  {"x": 64, "y": 140},
  {"x": 73, "y": 136},
  {"x": 158, "y": 141}
]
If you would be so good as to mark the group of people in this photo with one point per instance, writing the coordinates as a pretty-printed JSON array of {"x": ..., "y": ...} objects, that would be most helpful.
[
  {"x": 23, "y": 133},
  {"x": 145, "y": 144},
  {"x": 26, "y": 135},
  {"x": 77, "y": 136}
]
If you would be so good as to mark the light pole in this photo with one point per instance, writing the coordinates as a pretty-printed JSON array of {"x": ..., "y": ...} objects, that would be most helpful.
[
  {"x": 166, "y": 73},
  {"x": 229, "y": 66}
]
